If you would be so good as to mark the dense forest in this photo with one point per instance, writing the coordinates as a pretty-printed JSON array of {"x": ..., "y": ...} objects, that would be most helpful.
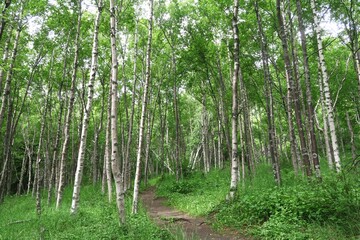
[{"x": 115, "y": 95}]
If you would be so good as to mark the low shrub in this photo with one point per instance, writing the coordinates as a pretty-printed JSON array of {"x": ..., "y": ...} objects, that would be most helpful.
[
  {"x": 299, "y": 209},
  {"x": 291, "y": 212}
]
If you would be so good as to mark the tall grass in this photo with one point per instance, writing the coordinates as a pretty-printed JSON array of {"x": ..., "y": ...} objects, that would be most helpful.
[
  {"x": 198, "y": 193},
  {"x": 96, "y": 219}
]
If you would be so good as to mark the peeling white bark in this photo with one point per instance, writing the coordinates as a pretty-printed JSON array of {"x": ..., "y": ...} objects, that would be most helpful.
[{"x": 328, "y": 101}]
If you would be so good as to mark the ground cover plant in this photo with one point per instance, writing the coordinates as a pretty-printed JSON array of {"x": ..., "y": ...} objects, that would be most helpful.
[
  {"x": 96, "y": 219},
  {"x": 299, "y": 209},
  {"x": 198, "y": 193}
]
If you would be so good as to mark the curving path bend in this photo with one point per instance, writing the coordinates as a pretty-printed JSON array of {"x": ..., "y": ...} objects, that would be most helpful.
[{"x": 192, "y": 227}]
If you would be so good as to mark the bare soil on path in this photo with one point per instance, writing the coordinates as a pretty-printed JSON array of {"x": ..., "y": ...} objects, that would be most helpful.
[{"x": 192, "y": 227}]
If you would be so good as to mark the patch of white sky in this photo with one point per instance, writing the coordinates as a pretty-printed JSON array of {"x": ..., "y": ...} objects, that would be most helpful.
[{"x": 331, "y": 27}]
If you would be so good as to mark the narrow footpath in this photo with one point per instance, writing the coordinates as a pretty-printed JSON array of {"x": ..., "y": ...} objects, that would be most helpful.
[{"x": 193, "y": 227}]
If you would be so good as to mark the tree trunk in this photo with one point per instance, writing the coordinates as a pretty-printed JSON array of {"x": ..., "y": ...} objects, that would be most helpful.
[
  {"x": 292, "y": 91},
  {"x": 143, "y": 115},
  {"x": 4, "y": 18},
  {"x": 219, "y": 147},
  {"x": 62, "y": 103},
  {"x": 29, "y": 150},
  {"x": 309, "y": 105},
  {"x": 241, "y": 170},
  {"x": 328, "y": 100},
  {"x": 298, "y": 101},
  {"x": 247, "y": 137},
  {"x": 114, "y": 138},
  {"x": 329, "y": 152},
  {"x": 177, "y": 120},
  {"x": 37, "y": 178},
  {"x": 224, "y": 116},
  {"x": 4, "y": 61},
  {"x": 234, "y": 117},
  {"x": 205, "y": 129},
  {"x": 131, "y": 122},
  {"x": 269, "y": 100},
  {"x": 351, "y": 27},
  {"x": 107, "y": 154},
  {"x": 9, "y": 76},
  {"x": 22, "y": 173},
  {"x": 17, "y": 118},
  {"x": 150, "y": 120},
  {"x": 7, "y": 151},
  {"x": 69, "y": 113},
  {"x": 56, "y": 148},
  {"x": 98, "y": 130},
  {"x": 86, "y": 119},
  {"x": 351, "y": 131}
]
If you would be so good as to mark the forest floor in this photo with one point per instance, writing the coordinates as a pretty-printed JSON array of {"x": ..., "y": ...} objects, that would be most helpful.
[{"x": 175, "y": 220}]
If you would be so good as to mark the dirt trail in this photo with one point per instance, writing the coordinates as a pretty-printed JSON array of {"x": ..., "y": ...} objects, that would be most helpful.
[{"x": 193, "y": 227}]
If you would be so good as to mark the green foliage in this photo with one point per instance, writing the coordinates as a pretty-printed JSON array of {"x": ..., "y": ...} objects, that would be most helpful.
[
  {"x": 197, "y": 193},
  {"x": 96, "y": 219},
  {"x": 297, "y": 210},
  {"x": 300, "y": 209}
]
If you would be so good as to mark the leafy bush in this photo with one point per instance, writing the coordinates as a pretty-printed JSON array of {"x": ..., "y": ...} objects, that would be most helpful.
[
  {"x": 300, "y": 209},
  {"x": 182, "y": 187},
  {"x": 289, "y": 212}
]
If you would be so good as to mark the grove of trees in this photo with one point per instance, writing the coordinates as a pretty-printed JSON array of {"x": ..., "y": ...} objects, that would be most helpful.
[{"x": 113, "y": 92}]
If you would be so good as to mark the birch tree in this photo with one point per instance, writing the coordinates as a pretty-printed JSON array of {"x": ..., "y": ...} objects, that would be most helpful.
[
  {"x": 326, "y": 89},
  {"x": 115, "y": 165},
  {"x": 69, "y": 112},
  {"x": 143, "y": 113},
  {"x": 310, "y": 108},
  {"x": 293, "y": 99},
  {"x": 107, "y": 154},
  {"x": 9, "y": 76},
  {"x": 269, "y": 99},
  {"x": 6, "y": 52},
  {"x": 37, "y": 178},
  {"x": 86, "y": 119},
  {"x": 234, "y": 117},
  {"x": 132, "y": 113}
]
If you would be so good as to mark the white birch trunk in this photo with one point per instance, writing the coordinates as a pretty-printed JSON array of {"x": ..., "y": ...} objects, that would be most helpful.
[
  {"x": 127, "y": 169},
  {"x": 310, "y": 108},
  {"x": 114, "y": 138},
  {"x": 69, "y": 114},
  {"x": 107, "y": 153},
  {"x": 86, "y": 119},
  {"x": 204, "y": 138},
  {"x": 143, "y": 115},
  {"x": 234, "y": 117},
  {"x": 326, "y": 125},
  {"x": 328, "y": 101}
]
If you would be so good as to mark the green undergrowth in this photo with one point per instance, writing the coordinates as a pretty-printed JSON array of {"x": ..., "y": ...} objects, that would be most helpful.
[
  {"x": 299, "y": 209},
  {"x": 197, "y": 193},
  {"x": 96, "y": 219}
]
